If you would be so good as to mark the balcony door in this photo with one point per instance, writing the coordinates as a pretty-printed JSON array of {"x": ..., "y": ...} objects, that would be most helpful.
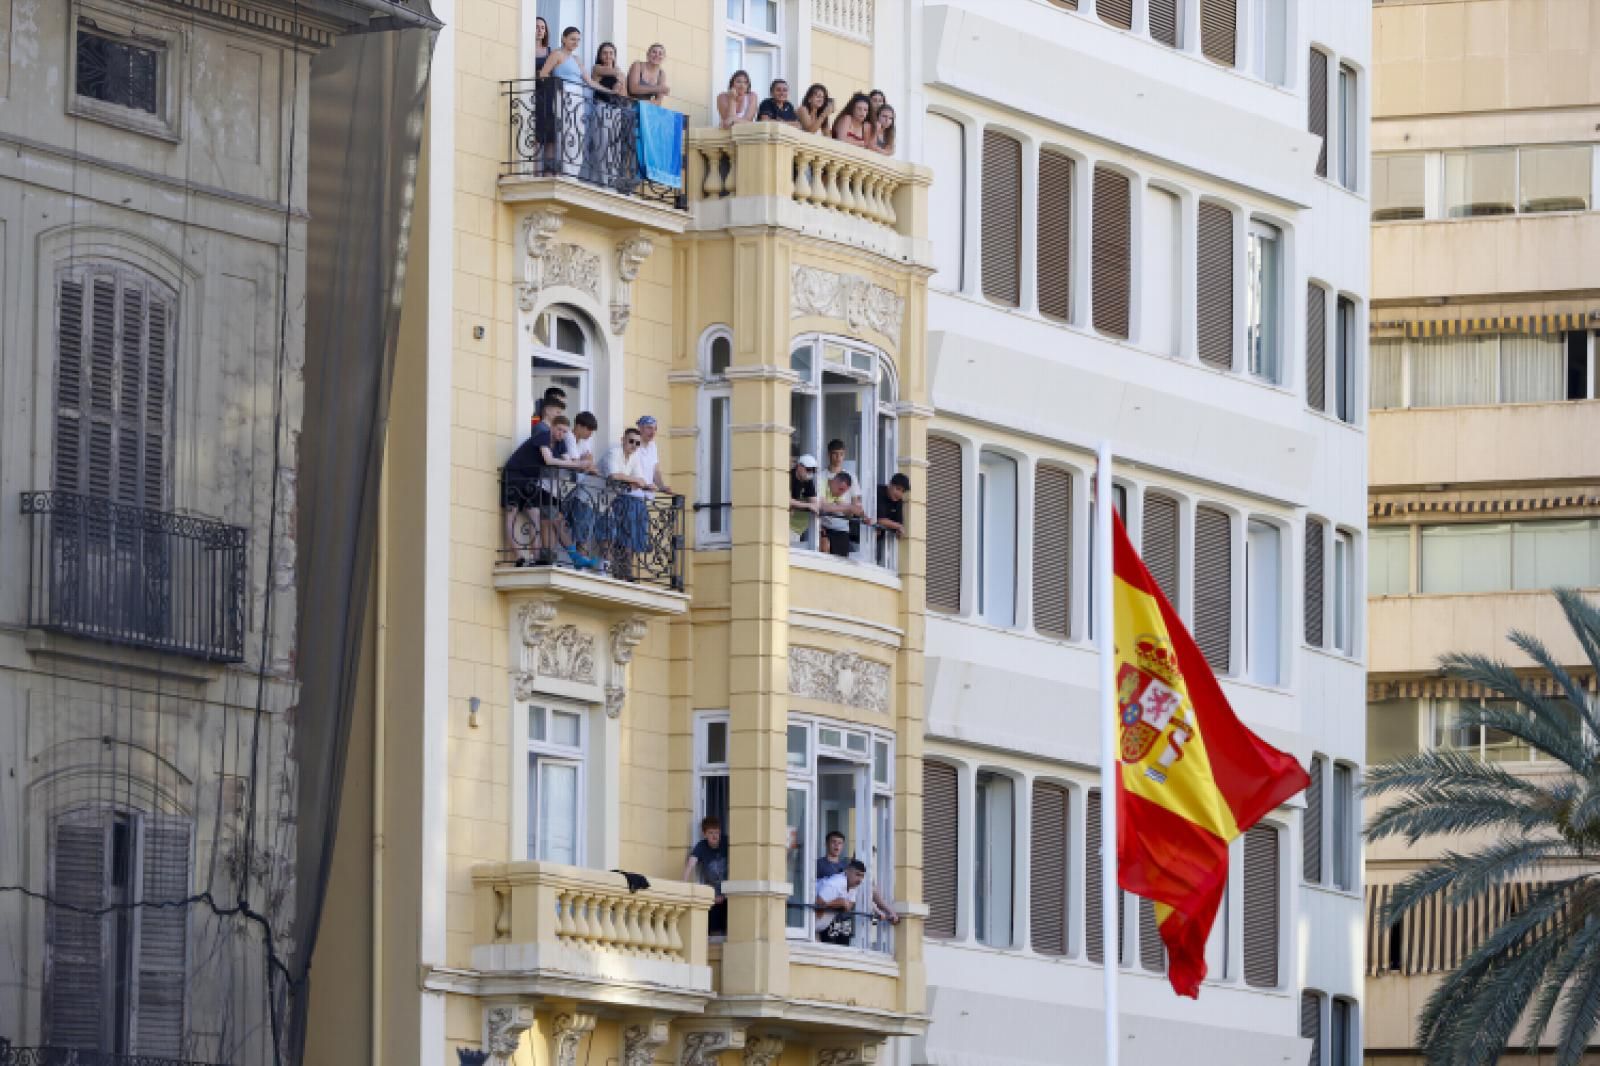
[{"x": 563, "y": 355}]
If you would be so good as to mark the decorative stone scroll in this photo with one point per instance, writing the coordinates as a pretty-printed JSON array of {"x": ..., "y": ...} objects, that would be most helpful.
[
  {"x": 853, "y": 1055},
  {"x": 849, "y": 297},
  {"x": 503, "y": 1028},
  {"x": 562, "y": 653},
  {"x": 625, "y": 636},
  {"x": 565, "y": 1035},
  {"x": 839, "y": 677},
  {"x": 763, "y": 1051},
  {"x": 631, "y": 254},
  {"x": 703, "y": 1047},
  {"x": 642, "y": 1039}
]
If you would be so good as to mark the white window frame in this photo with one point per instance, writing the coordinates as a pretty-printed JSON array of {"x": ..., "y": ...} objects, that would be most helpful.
[
  {"x": 1278, "y": 601},
  {"x": 1342, "y": 840},
  {"x": 714, "y": 388},
  {"x": 704, "y": 768},
  {"x": 1345, "y": 392},
  {"x": 1343, "y": 585},
  {"x": 1347, "y": 87},
  {"x": 1261, "y": 41},
  {"x": 985, "y": 577},
  {"x": 951, "y": 280},
  {"x": 547, "y": 751},
  {"x": 750, "y": 35},
  {"x": 985, "y": 899},
  {"x": 1272, "y": 367},
  {"x": 591, "y": 389}
]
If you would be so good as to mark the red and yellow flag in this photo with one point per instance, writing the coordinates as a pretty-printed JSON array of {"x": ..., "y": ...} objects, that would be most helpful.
[{"x": 1192, "y": 776}]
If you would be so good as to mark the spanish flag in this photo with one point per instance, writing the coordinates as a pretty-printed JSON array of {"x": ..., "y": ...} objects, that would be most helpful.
[{"x": 1192, "y": 777}]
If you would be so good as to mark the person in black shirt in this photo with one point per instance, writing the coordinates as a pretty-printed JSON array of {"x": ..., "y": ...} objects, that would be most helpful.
[
  {"x": 891, "y": 512},
  {"x": 777, "y": 108},
  {"x": 708, "y": 865}
]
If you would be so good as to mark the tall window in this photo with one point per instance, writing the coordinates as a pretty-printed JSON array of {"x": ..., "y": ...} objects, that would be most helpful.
[
  {"x": 1261, "y": 906},
  {"x": 1317, "y": 107},
  {"x": 946, "y": 147},
  {"x": 1349, "y": 114},
  {"x": 1344, "y": 359},
  {"x": 994, "y": 812},
  {"x": 118, "y": 983},
  {"x": 1111, "y": 252},
  {"x": 1269, "y": 39},
  {"x": 755, "y": 40},
  {"x": 846, "y": 392},
  {"x": 563, "y": 356},
  {"x": 997, "y": 538},
  {"x": 1160, "y": 542},
  {"x": 711, "y": 768},
  {"x": 557, "y": 738},
  {"x": 1264, "y": 602},
  {"x": 1264, "y": 302},
  {"x": 715, "y": 510},
  {"x": 1389, "y": 561},
  {"x": 1214, "y": 284},
  {"x": 1342, "y": 1033},
  {"x": 115, "y": 330},
  {"x": 1163, "y": 276},
  {"x": 1397, "y": 187},
  {"x": 940, "y": 847},
  {"x": 1213, "y": 587},
  {"x": 1344, "y": 592},
  {"x": 1055, "y": 235},
  {"x": 1555, "y": 178},
  {"x": 1002, "y": 218},
  {"x": 1047, "y": 877},
  {"x": 1344, "y": 822}
]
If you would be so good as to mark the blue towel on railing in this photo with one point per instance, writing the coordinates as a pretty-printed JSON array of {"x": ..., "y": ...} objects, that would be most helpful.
[{"x": 660, "y": 145}]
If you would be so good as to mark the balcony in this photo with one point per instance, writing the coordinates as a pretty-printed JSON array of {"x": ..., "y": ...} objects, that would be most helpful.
[
  {"x": 1500, "y": 444},
  {"x": 579, "y": 148},
  {"x": 64, "y": 1056},
  {"x": 128, "y": 575},
  {"x": 1407, "y": 634},
  {"x": 547, "y": 929},
  {"x": 768, "y": 174},
  {"x": 1491, "y": 257}
]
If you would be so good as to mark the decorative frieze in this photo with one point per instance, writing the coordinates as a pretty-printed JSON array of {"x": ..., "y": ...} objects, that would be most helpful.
[
  {"x": 545, "y": 263},
  {"x": 560, "y": 653},
  {"x": 841, "y": 677},
  {"x": 848, "y": 297}
]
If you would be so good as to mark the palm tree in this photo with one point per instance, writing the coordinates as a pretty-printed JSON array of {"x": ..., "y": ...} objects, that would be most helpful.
[{"x": 1545, "y": 957}]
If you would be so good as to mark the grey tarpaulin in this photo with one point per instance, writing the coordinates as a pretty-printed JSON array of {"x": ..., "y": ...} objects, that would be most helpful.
[{"x": 368, "y": 94}]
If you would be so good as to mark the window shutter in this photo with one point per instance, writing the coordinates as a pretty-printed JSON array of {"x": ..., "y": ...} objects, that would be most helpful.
[
  {"x": 1111, "y": 252},
  {"x": 1152, "y": 952},
  {"x": 1093, "y": 911},
  {"x": 1002, "y": 218},
  {"x": 1055, "y": 235},
  {"x": 1316, "y": 348},
  {"x": 1316, "y": 534},
  {"x": 1048, "y": 869},
  {"x": 76, "y": 944},
  {"x": 1213, "y": 587},
  {"x": 1118, "y": 13},
  {"x": 1214, "y": 285},
  {"x": 1261, "y": 907},
  {"x": 940, "y": 813},
  {"x": 158, "y": 355},
  {"x": 1160, "y": 542},
  {"x": 1311, "y": 1024},
  {"x": 1317, "y": 108},
  {"x": 945, "y": 513},
  {"x": 1052, "y": 552},
  {"x": 1311, "y": 824},
  {"x": 1164, "y": 22},
  {"x": 1070, "y": 5},
  {"x": 163, "y": 936},
  {"x": 101, "y": 457},
  {"x": 1219, "y": 30},
  {"x": 69, "y": 386}
]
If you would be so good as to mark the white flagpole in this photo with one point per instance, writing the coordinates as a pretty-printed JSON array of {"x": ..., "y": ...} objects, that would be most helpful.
[{"x": 1111, "y": 949}]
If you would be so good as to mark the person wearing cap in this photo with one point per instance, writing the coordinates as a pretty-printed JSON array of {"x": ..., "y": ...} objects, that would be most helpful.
[
  {"x": 802, "y": 497},
  {"x": 649, "y": 458}
]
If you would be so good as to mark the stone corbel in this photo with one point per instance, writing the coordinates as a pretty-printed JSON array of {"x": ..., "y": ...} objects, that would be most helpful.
[
  {"x": 503, "y": 1027},
  {"x": 862, "y": 1054},
  {"x": 704, "y": 1047},
  {"x": 625, "y": 636},
  {"x": 632, "y": 251},
  {"x": 534, "y": 618},
  {"x": 763, "y": 1051},
  {"x": 538, "y": 232},
  {"x": 565, "y": 1035},
  {"x": 642, "y": 1038}
]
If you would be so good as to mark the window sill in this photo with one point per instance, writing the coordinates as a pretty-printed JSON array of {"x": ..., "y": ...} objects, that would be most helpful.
[
  {"x": 1332, "y": 653},
  {"x": 859, "y": 960},
  {"x": 806, "y": 559},
  {"x": 1357, "y": 427},
  {"x": 123, "y": 118},
  {"x": 1339, "y": 186},
  {"x": 1353, "y": 895}
]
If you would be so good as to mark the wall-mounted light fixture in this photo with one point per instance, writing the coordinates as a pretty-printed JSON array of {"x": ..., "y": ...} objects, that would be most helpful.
[{"x": 472, "y": 711}]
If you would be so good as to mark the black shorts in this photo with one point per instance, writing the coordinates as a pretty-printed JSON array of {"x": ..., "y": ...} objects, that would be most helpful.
[{"x": 838, "y": 542}]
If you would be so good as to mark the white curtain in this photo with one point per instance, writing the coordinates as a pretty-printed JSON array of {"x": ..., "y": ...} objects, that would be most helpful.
[
  {"x": 1466, "y": 558},
  {"x": 1532, "y": 367},
  {"x": 1453, "y": 371},
  {"x": 1389, "y": 561},
  {"x": 557, "y": 793},
  {"x": 1386, "y": 366},
  {"x": 1550, "y": 554}
]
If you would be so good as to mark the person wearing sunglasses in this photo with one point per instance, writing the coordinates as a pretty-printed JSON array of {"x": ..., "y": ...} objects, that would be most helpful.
[{"x": 629, "y": 530}]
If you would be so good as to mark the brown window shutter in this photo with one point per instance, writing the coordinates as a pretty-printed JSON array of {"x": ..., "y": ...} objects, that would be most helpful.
[
  {"x": 1219, "y": 30},
  {"x": 1070, "y": 5},
  {"x": 1164, "y": 22},
  {"x": 1316, "y": 546},
  {"x": 1311, "y": 824},
  {"x": 1261, "y": 907},
  {"x": 1048, "y": 874},
  {"x": 1214, "y": 285},
  {"x": 1118, "y": 13},
  {"x": 1152, "y": 952},
  {"x": 1111, "y": 251},
  {"x": 1159, "y": 542},
  {"x": 940, "y": 835},
  {"x": 76, "y": 943},
  {"x": 1316, "y": 348},
  {"x": 1317, "y": 108},
  {"x": 1213, "y": 586},
  {"x": 1002, "y": 218},
  {"x": 945, "y": 513},
  {"x": 1052, "y": 552},
  {"x": 1055, "y": 235},
  {"x": 1093, "y": 911},
  {"x": 1311, "y": 1024}
]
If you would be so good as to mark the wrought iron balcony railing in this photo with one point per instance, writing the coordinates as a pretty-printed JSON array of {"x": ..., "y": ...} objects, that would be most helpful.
[
  {"x": 127, "y": 575},
  {"x": 65, "y": 1056},
  {"x": 583, "y": 521},
  {"x": 563, "y": 129}
]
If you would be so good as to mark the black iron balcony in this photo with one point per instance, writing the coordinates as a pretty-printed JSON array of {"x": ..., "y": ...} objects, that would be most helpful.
[
  {"x": 127, "y": 575},
  {"x": 64, "y": 1056},
  {"x": 584, "y": 522},
  {"x": 564, "y": 129}
]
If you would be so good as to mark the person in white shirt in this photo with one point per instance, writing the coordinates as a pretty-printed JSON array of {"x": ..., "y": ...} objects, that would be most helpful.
[
  {"x": 629, "y": 528},
  {"x": 836, "y": 904},
  {"x": 648, "y": 455}
]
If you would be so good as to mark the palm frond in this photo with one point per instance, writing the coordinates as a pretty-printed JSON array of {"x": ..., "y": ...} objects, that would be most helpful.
[
  {"x": 1539, "y": 722},
  {"x": 1583, "y": 618},
  {"x": 1448, "y": 811},
  {"x": 1580, "y": 918},
  {"x": 1535, "y": 649},
  {"x": 1580, "y": 1013},
  {"x": 1438, "y": 765},
  {"x": 1465, "y": 877}
]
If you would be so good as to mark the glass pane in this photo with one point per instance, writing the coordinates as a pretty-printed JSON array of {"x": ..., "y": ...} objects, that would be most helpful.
[
  {"x": 762, "y": 65},
  {"x": 1385, "y": 364},
  {"x": 944, "y": 148},
  {"x": 862, "y": 361},
  {"x": 1466, "y": 558},
  {"x": 997, "y": 531},
  {"x": 797, "y": 855},
  {"x": 993, "y": 859},
  {"x": 735, "y": 11},
  {"x": 830, "y": 738},
  {"x": 882, "y": 867},
  {"x": 1388, "y": 562},
  {"x": 799, "y": 747},
  {"x": 841, "y": 420},
  {"x": 836, "y": 805},
  {"x": 1343, "y": 808},
  {"x": 1556, "y": 179},
  {"x": 720, "y": 476},
  {"x": 735, "y": 55},
  {"x": 716, "y": 743},
  {"x": 569, "y": 336},
  {"x": 1347, "y": 127},
  {"x": 1262, "y": 299},
  {"x": 558, "y": 812},
  {"x": 536, "y": 723},
  {"x": 1480, "y": 183},
  {"x": 721, "y": 356},
  {"x": 1450, "y": 732},
  {"x": 1343, "y": 605},
  {"x": 1273, "y": 42},
  {"x": 1392, "y": 729},
  {"x": 1263, "y": 570},
  {"x": 1546, "y": 555},
  {"x": 834, "y": 354},
  {"x": 1533, "y": 367},
  {"x": 1397, "y": 187},
  {"x": 1454, "y": 371},
  {"x": 856, "y": 742},
  {"x": 880, "y": 762},
  {"x": 769, "y": 21},
  {"x": 714, "y": 798},
  {"x": 800, "y": 361},
  {"x": 565, "y": 729}
]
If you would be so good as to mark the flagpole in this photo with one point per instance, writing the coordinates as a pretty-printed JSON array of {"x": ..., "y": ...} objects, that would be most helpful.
[{"x": 1111, "y": 949}]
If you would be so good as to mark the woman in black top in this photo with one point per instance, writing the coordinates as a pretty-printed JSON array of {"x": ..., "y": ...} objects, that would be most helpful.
[{"x": 606, "y": 71}]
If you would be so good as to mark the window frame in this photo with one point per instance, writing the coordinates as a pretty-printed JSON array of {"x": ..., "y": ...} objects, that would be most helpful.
[
  {"x": 1278, "y": 599},
  {"x": 714, "y": 388},
  {"x": 1271, "y": 367},
  {"x": 986, "y": 861},
  {"x": 749, "y": 34},
  {"x": 151, "y": 32},
  {"x": 706, "y": 769},
  {"x": 1345, "y": 638},
  {"x": 985, "y": 511},
  {"x": 537, "y": 752},
  {"x": 1347, "y": 90}
]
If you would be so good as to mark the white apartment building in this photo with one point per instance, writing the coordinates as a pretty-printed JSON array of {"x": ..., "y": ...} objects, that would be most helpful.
[{"x": 1149, "y": 221}]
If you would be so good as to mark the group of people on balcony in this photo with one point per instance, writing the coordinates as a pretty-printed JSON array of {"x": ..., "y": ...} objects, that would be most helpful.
[
  {"x": 645, "y": 79},
  {"x": 836, "y": 505},
  {"x": 867, "y": 121},
  {"x": 560, "y": 501}
]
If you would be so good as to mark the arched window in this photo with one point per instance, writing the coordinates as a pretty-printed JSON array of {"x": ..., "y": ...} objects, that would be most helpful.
[
  {"x": 714, "y": 507},
  {"x": 564, "y": 356},
  {"x": 846, "y": 393}
]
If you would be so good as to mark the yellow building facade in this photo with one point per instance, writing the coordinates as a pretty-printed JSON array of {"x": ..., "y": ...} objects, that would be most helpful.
[{"x": 529, "y": 731}]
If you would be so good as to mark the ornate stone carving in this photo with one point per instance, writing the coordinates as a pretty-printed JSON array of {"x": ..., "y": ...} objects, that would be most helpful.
[
  {"x": 703, "y": 1047},
  {"x": 763, "y": 1051},
  {"x": 854, "y": 1055},
  {"x": 641, "y": 1041},
  {"x": 565, "y": 1034},
  {"x": 538, "y": 230},
  {"x": 625, "y": 636},
  {"x": 839, "y": 677},
  {"x": 568, "y": 264},
  {"x": 567, "y": 654},
  {"x": 631, "y": 254},
  {"x": 849, "y": 297},
  {"x": 503, "y": 1028}
]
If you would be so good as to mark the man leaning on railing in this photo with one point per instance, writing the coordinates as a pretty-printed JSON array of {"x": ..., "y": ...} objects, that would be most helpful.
[{"x": 836, "y": 905}]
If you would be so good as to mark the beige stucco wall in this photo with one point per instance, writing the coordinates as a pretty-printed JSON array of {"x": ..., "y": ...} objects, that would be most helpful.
[{"x": 1484, "y": 446}]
